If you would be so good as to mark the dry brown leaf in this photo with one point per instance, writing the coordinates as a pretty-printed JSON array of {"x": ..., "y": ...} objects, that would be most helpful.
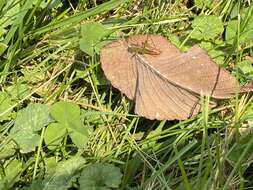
[{"x": 163, "y": 82}]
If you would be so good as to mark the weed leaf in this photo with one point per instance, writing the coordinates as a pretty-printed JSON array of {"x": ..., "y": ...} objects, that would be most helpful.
[
  {"x": 53, "y": 135},
  {"x": 100, "y": 176},
  {"x": 245, "y": 67},
  {"x": 91, "y": 33},
  {"x": 28, "y": 122},
  {"x": 11, "y": 173},
  {"x": 68, "y": 116},
  {"x": 66, "y": 113},
  {"x": 65, "y": 172},
  {"x": 246, "y": 33},
  {"x": 206, "y": 27},
  {"x": 7, "y": 150}
]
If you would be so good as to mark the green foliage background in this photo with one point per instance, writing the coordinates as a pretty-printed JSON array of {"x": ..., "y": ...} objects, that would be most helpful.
[{"x": 63, "y": 126}]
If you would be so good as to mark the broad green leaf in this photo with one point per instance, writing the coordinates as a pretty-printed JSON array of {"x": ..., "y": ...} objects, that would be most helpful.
[
  {"x": 5, "y": 104},
  {"x": 80, "y": 139},
  {"x": 51, "y": 165},
  {"x": 65, "y": 172},
  {"x": 91, "y": 34},
  {"x": 231, "y": 31},
  {"x": 206, "y": 27},
  {"x": 86, "y": 47},
  {"x": 7, "y": 149},
  {"x": 246, "y": 33},
  {"x": 12, "y": 172},
  {"x": 54, "y": 134},
  {"x": 100, "y": 176},
  {"x": 66, "y": 113},
  {"x": 245, "y": 67},
  {"x": 68, "y": 116},
  {"x": 13, "y": 168},
  {"x": 26, "y": 140},
  {"x": 28, "y": 122},
  {"x": 93, "y": 31}
]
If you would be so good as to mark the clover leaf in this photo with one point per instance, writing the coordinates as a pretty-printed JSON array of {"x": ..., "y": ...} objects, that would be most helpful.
[{"x": 27, "y": 125}]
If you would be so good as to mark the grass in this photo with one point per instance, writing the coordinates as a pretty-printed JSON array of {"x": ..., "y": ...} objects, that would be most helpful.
[{"x": 43, "y": 65}]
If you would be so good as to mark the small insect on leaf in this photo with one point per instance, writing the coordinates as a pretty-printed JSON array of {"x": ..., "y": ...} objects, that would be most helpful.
[{"x": 145, "y": 48}]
